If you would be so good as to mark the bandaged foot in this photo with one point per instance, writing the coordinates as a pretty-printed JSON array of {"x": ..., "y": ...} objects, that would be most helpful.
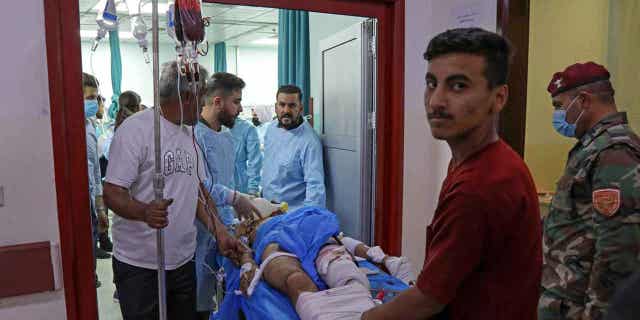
[
  {"x": 337, "y": 268},
  {"x": 401, "y": 268},
  {"x": 376, "y": 254},
  {"x": 344, "y": 303}
]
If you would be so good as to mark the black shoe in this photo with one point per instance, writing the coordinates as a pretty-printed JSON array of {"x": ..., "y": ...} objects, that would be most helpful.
[
  {"x": 105, "y": 243},
  {"x": 116, "y": 299},
  {"x": 98, "y": 283},
  {"x": 101, "y": 254}
]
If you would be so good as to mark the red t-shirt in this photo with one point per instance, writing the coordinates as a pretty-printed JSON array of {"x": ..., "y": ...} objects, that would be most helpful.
[{"x": 484, "y": 257}]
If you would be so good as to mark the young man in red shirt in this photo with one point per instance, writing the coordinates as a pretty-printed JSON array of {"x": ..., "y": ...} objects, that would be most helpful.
[{"x": 483, "y": 254}]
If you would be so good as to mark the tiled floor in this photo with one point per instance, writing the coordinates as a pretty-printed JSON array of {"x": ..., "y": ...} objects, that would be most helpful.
[{"x": 107, "y": 308}]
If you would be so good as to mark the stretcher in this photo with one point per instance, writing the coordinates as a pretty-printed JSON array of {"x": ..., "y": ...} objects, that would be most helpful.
[{"x": 313, "y": 227}]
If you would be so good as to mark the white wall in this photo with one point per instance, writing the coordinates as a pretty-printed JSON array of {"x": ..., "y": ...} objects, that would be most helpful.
[
  {"x": 26, "y": 171},
  {"x": 258, "y": 67},
  {"x": 136, "y": 75},
  {"x": 425, "y": 159},
  {"x": 321, "y": 26}
]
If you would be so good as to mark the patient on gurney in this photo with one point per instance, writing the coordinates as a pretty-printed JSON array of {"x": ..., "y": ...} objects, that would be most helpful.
[{"x": 301, "y": 256}]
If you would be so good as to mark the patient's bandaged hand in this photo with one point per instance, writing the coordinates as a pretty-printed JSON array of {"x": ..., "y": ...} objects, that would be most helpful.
[
  {"x": 336, "y": 267},
  {"x": 344, "y": 303},
  {"x": 376, "y": 254},
  {"x": 401, "y": 268}
]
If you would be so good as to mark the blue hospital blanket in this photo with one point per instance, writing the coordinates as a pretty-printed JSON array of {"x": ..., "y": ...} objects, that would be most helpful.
[{"x": 302, "y": 232}]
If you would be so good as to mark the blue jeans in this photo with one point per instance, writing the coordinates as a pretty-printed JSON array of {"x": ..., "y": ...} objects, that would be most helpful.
[
  {"x": 94, "y": 229},
  {"x": 206, "y": 266}
]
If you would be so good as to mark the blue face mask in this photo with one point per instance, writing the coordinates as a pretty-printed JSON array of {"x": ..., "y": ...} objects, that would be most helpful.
[
  {"x": 90, "y": 108},
  {"x": 560, "y": 121}
]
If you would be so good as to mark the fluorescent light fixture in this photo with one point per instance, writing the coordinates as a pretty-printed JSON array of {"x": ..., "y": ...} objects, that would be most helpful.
[
  {"x": 91, "y": 34},
  {"x": 121, "y": 7},
  {"x": 271, "y": 41}
]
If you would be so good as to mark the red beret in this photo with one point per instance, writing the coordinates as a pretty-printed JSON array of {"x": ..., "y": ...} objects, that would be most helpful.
[{"x": 576, "y": 75}]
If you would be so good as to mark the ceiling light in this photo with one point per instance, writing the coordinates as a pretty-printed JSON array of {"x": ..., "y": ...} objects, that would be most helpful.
[
  {"x": 271, "y": 41},
  {"x": 121, "y": 7}
]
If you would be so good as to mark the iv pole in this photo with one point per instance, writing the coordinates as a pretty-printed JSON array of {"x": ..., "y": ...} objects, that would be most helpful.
[{"x": 158, "y": 181}]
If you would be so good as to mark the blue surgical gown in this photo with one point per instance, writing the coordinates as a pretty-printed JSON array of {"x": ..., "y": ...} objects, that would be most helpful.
[
  {"x": 93, "y": 160},
  {"x": 218, "y": 150},
  {"x": 293, "y": 169},
  {"x": 248, "y": 156}
]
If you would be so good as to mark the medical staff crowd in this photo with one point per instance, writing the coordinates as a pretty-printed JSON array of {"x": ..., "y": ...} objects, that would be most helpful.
[{"x": 488, "y": 255}]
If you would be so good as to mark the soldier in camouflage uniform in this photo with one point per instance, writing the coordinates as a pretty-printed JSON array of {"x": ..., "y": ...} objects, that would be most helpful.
[{"x": 591, "y": 239}]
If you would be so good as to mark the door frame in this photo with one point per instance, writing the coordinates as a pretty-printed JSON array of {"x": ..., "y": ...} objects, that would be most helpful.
[
  {"x": 513, "y": 23},
  {"x": 64, "y": 62}
]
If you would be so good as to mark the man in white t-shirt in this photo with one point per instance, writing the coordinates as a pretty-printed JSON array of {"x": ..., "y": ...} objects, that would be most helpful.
[{"x": 128, "y": 191}]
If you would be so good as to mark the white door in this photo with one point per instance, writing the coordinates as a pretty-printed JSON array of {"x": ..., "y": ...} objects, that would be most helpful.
[{"x": 348, "y": 126}]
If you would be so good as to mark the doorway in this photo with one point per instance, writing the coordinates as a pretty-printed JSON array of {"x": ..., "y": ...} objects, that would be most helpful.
[{"x": 64, "y": 64}]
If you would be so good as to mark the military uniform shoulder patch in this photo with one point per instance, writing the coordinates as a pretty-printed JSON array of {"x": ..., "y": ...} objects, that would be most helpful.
[{"x": 606, "y": 201}]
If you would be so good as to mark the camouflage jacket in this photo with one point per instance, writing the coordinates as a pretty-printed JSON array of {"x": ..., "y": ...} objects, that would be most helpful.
[{"x": 592, "y": 233}]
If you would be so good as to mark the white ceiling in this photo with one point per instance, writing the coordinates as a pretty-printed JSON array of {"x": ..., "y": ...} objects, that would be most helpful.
[{"x": 237, "y": 25}]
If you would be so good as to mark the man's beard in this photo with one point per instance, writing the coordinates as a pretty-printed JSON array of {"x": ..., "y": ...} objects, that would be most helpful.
[
  {"x": 292, "y": 123},
  {"x": 228, "y": 121}
]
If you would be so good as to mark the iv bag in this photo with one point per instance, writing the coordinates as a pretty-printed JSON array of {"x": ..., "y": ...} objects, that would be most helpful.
[
  {"x": 107, "y": 17},
  {"x": 107, "y": 20},
  {"x": 189, "y": 26},
  {"x": 138, "y": 26},
  {"x": 139, "y": 30}
]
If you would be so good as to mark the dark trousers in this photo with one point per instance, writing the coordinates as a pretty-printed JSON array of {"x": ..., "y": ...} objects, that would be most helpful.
[
  {"x": 94, "y": 231},
  {"x": 138, "y": 292}
]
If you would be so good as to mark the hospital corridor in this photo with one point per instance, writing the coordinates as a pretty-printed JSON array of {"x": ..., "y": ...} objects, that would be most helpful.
[{"x": 320, "y": 159}]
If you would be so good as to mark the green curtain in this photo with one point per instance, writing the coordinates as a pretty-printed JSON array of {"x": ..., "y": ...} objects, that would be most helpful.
[
  {"x": 293, "y": 51},
  {"x": 116, "y": 73},
  {"x": 220, "y": 57}
]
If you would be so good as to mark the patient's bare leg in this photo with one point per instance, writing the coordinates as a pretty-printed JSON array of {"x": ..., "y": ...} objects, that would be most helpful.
[{"x": 286, "y": 274}]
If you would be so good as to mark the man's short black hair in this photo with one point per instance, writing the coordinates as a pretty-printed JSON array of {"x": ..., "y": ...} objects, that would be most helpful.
[
  {"x": 494, "y": 48},
  {"x": 224, "y": 84},
  {"x": 290, "y": 89},
  {"x": 129, "y": 99},
  {"x": 89, "y": 81}
]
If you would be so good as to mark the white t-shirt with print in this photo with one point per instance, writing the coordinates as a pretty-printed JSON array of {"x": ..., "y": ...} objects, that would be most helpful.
[{"x": 132, "y": 166}]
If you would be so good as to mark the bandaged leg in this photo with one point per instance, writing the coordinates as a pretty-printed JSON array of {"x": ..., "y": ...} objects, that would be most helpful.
[
  {"x": 286, "y": 275},
  {"x": 345, "y": 303},
  {"x": 399, "y": 267},
  {"x": 337, "y": 268}
]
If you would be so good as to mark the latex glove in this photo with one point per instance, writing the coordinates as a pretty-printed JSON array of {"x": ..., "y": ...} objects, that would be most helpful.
[
  {"x": 244, "y": 207},
  {"x": 376, "y": 254},
  {"x": 401, "y": 268},
  {"x": 266, "y": 208}
]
